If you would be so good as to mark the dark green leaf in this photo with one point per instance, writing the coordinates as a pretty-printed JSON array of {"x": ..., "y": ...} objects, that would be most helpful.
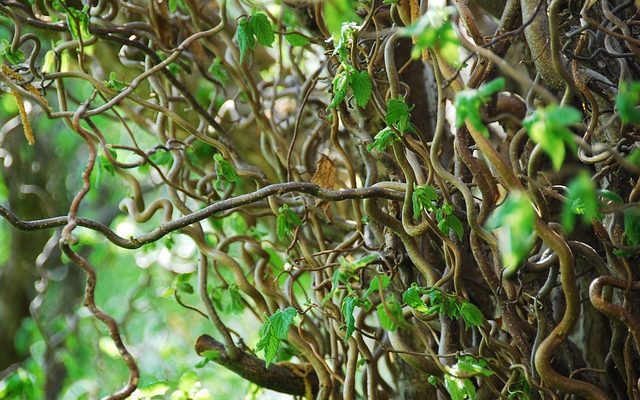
[
  {"x": 261, "y": 27},
  {"x": 398, "y": 114},
  {"x": 287, "y": 220},
  {"x": 609, "y": 195},
  {"x": 471, "y": 315},
  {"x": 244, "y": 36},
  {"x": 361, "y": 86}
]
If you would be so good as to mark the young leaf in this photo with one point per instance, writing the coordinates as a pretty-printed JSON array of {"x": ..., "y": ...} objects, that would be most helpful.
[
  {"x": 114, "y": 84},
  {"x": 549, "y": 127},
  {"x": 340, "y": 85},
  {"x": 398, "y": 114},
  {"x": 244, "y": 36},
  {"x": 632, "y": 225},
  {"x": 472, "y": 365},
  {"x": 517, "y": 218},
  {"x": 348, "y": 306},
  {"x": 434, "y": 30},
  {"x": 261, "y": 27},
  {"x": 383, "y": 139},
  {"x": 471, "y": 315},
  {"x": 273, "y": 331},
  {"x": 224, "y": 171},
  {"x": 413, "y": 298},
  {"x": 581, "y": 200},
  {"x": 423, "y": 198},
  {"x": 469, "y": 102},
  {"x": 361, "y": 86},
  {"x": 286, "y": 221},
  {"x": 12, "y": 57},
  {"x": 447, "y": 221},
  {"x": 627, "y": 102},
  {"x": 78, "y": 22}
]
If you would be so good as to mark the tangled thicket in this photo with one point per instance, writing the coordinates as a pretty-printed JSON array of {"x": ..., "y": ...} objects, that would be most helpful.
[{"x": 453, "y": 190}]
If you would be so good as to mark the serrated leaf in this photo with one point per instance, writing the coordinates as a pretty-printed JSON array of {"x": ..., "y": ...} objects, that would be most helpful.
[
  {"x": 274, "y": 331},
  {"x": 377, "y": 282},
  {"x": 361, "y": 86},
  {"x": 516, "y": 216},
  {"x": 632, "y": 225},
  {"x": 244, "y": 37},
  {"x": 261, "y": 27},
  {"x": 398, "y": 114},
  {"x": 413, "y": 298},
  {"x": 471, "y": 315},
  {"x": 392, "y": 320},
  {"x": 424, "y": 197},
  {"x": 382, "y": 139}
]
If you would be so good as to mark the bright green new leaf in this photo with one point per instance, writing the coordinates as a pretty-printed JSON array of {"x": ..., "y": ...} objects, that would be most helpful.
[
  {"x": 457, "y": 388},
  {"x": 337, "y": 12},
  {"x": 114, "y": 83},
  {"x": 469, "y": 102},
  {"x": 424, "y": 197},
  {"x": 341, "y": 83},
  {"x": 549, "y": 127},
  {"x": 362, "y": 87},
  {"x": 627, "y": 102},
  {"x": 434, "y": 30},
  {"x": 224, "y": 171},
  {"x": 273, "y": 331},
  {"x": 517, "y": 218},
  {"x": 581, "y": 200},
  {"x": 348, "y": 306},
  {"x": 208, "y": 355},
  {"x": 383, "y": 139},
  {"x": 78, "y": 22},
  {"x": 632, "y": 225},
  {"x": 447, "y": 221},
  {"x": 413, "y": 298},
  {"x": 472, "y": 365},
  {"x": 260, "y": 26},
  {"x": 398, "y": 114},
  {"x": 12, "y": 57},
  {"x": 287, "y": 220},
  {"x": 470, "y": 314}
]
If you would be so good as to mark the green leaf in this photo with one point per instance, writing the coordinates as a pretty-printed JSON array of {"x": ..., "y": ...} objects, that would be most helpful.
[
  {"x": 455, "y": 387},
  {"x": 398, "y": 114},
  {"x": 296, "y": 39},
  {"x": 469, "y": 102},
  {"x": 634, "y": 157},
  {"x": 261, "y": 27},
  {"x": 413, "y": 298},
  {"x": 287, "y": 220},
  {"x": 175, "y": 4},
  {"x": 627, "y": 102},
  {"x": 361, "y": 86},
  {"x": 341, "y": 83},
  {"x": 12, "y": 57},
  {"x": 377, "y": 282},
  {"x": 424, "y": 197},
  {"x": 435, "y": 31},
  {"x": 338, "y": 12},
  {"x": 78, "y": 22},
  {"x": 581, "y": 200},
  {"x": 517, "y": 218},
  {"x": 273, "y": 331},
  {"x": 224, "y": 171},
  {"x": 391, "y": 321},
  {"x": 447, "y": 221},
  {"x": 161, "y": 158},
  {"x": 149, "y": 391},
  {"x": 348, "y": 306},
  {"x": 632, "y": 225},
  {"x": 472, "y": 365},
  {"x": 383, "y": 139},
  {"x": 209, "y": 355},
  {"x": 228, "y": 299},
  {"x": 244, "y": 36},
  {"x": 549, "y": 127},
  {"x": 471, "y": 315},
  {"x": 114, "y": 84}
]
